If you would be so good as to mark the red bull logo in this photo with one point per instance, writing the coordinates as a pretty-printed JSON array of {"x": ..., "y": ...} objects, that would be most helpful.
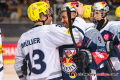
[
  {"x": 71, "y": 4},
  {"x": 67, "y": 64},
  {"x": 103, "y": 4}
]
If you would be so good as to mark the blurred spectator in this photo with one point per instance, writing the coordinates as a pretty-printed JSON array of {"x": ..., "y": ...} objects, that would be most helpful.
[
  {"x": 71, "y": 0},
  {"x": 52, "y": 2},
  {"x": 116, "y": 2},
  {"x": 24, "y": 7},
  {"x": 21, "y": 1},
  {"x": 4, "y": 8},
  {"x": 1, "y": 16},
  {"x": 31, "y": 1},
  {"x": 13, "y": 6},
  {"x": 113, "y": 3},
  {"x": 59, "y": 4}
]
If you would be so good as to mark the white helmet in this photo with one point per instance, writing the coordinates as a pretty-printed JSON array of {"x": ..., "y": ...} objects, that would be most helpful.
[
  {"x": 68, "y": 4},
  {"x": 99, "y": 6}
]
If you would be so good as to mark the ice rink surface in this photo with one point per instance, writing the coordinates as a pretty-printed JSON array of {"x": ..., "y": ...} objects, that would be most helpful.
[{"x": 9, "y": 72}]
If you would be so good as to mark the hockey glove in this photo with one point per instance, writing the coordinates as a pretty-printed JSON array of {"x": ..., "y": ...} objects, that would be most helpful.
[
  {"x": 83, "y": 59},
  {"x": 109, "y": 47},
  {"x": 24, "y": 67}
]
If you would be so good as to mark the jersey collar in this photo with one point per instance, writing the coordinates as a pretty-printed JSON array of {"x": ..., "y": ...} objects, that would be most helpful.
[
  {"x": 117, "y": 20},
  {"x": 36, "y": 26}
]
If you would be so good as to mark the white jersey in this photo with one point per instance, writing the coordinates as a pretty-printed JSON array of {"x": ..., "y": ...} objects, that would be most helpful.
[
  {"x": 1, "y": 59},
  {"x": 111, "y": 26},
  {"x": 116, "y": 22},
  {"x": 88, "y": 25},
  {"x": 39, "y": 47}
]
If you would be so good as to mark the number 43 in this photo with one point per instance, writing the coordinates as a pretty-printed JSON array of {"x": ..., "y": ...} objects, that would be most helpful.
[{"x": 37, "y": 62}]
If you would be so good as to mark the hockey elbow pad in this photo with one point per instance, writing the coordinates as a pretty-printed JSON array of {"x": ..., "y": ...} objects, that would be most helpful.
[
  {"x": 109, "y": 47},
  {"x": 24, "y": 67},
  {"x": 83, "y": 58}
]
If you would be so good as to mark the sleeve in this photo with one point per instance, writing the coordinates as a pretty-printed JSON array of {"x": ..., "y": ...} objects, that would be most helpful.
[
  {"x": 116, "y": 48},
  {"x": 60, "y": 37},
  {"x": 96, "y": 45},
  {"x": 114, "y": 29},
  {"x": 111, "y": 34},
  {"x": 19, "y": 61}
]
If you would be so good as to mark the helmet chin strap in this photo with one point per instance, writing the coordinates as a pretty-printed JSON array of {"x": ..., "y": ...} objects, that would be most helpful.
[
  {"x": 100, "y": 23},
  {"x": 42, "y": 21},
  {"x": 73, "y": 19}
]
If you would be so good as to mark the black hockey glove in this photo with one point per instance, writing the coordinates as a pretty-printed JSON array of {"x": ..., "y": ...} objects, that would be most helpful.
[
  {"x": 24, "y": 67},
  {"x": 109, "y": 47},
  {"x": 83, "y": 59}
]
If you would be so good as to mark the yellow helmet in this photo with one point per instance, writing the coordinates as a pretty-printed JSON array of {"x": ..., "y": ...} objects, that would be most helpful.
[
  {"x": 87, "y": 12},
  {"x": 35, "y": 9},
  {"x": 117, "y": 11}
]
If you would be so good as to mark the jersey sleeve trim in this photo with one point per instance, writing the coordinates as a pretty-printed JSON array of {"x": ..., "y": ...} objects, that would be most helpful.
[
  {"x": 80, "y": 23},
  {"x": 21, "y": 76},
  {"x": 79, "y": 29},
  {"x": 1, "y": 68}
]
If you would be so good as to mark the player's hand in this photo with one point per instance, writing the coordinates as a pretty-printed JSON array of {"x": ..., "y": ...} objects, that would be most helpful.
[
  {"x": 83, "y": 58},
  {"x": 80, "y": 9},
  {"x": 46, "y": 2},
  {"x": 24, "y": 67}
]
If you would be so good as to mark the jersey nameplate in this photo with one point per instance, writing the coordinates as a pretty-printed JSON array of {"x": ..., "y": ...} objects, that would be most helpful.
[{"x": 30, "y": 42}]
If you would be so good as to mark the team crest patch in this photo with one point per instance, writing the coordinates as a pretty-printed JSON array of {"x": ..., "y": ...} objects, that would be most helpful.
[
  {"x": 67, "y": 64},
  {"x": 106, "y": 37}
]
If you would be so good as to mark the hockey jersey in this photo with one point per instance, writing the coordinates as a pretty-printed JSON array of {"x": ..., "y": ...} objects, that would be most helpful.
[
  {"x": 1, "y": 58},
  {"x": 92, "y": 41},
  {"x": 39, "y": 47},
  {"x": 111, "y": 32}
]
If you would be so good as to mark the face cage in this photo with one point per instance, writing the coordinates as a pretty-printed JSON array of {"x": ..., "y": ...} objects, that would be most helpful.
[
  {"x": 95, "y": 21},
  {"x": 59, "y": 13},
  {"x": 49, "y": 13},
  {"x": 50, "y": 10}
]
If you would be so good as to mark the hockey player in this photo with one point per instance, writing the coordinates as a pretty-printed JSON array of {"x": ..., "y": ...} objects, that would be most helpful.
[
  {"x": 86, "y": 16},
  {"x": 110, "y": 32},
  {"x": 117, "y": 13},
  {"x": 39, "y": 45},
  {"x": 92, "y": 46},
  {"x": 1, "y": 58}
]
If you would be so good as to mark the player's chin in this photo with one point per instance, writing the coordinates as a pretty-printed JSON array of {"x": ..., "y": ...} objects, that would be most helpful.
[{"x": 66, "y": 25}]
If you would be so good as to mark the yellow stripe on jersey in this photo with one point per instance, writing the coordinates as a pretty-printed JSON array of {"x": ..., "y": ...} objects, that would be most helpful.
[
  {"x": 0, "y": 49},
  {"x": 68, "y": 31}
]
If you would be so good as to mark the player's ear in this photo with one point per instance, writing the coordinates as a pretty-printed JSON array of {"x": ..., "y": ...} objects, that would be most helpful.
[
  {"x": 42, "y": 17},
  {"x": 73, "y": 14}
]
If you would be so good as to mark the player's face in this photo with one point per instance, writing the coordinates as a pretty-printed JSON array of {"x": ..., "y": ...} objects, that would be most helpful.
[
  {"x": 97, "y": 15},
  {"x": 65, "y": 18}
]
